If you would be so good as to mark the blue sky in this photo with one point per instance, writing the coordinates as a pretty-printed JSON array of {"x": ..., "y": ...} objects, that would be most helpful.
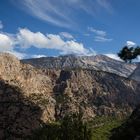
[{"x": 35, "y": 28}]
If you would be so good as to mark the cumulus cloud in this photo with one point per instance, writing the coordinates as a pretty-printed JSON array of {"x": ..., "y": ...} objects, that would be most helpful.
[
  {"x": 100, "y": 35},
  {"x": 1, "y": 25},
  {"x": 17, "y": 54},
  {"x": 113, "y": 56},
  {"x": 61, "y": 13},
  {"x": 27, "y": 38},
  {"x": 6, "y": 43},
  {"x": 130, "y": 43}
]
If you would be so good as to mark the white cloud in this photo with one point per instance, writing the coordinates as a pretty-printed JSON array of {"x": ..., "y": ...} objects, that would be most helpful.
[
  {"x": 1, "y": 25},
  {"x": 113, "y": 56},
  {"x": 61, "y": 13},
  {"x": 130, "y": 43},
  {"x": 27, "y": 38},
  {"x": 138, "y": 58},
  {"x": 6, "y": 43},
  {"x": 38, "y": 56},
  {"x": 100, "y": 35},
  {"x": 102, "y": 39},
  {"x": 97, "y": 32},
  {"x": 17, "y": 54},
  {"x": 66, "y": 35}
]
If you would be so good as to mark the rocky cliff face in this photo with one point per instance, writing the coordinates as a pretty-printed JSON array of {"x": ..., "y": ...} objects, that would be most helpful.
[
  {"x": 99, "y": 62},
  {"x": 95, "y": 92},
  {"x": 29, "y": 95},
  {"x": 34, "y": 86},
  {"x": 136, "y": 74},
  {"x": 19, "y": 116}
]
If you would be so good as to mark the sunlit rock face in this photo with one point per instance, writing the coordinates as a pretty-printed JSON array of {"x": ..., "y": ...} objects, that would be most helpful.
[
  {"x": 96, "y": 93},
  {"x": 136, "y": 74},
  {"x": 98, "y": 62},
  {"x": 48, "y": 94}
]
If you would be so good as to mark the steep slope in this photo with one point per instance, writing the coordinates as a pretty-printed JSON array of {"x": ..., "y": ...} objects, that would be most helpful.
[
  {"x": 96, "y": 93},
  {"x": 34, "y": 84},
  {"x": 19, "y": 116},
  {"x": 49, "y": 94},
  {"x": 99, "y": 62},
  {"x": 136, "y": 74},
  {"x": 130, "y": 130}
]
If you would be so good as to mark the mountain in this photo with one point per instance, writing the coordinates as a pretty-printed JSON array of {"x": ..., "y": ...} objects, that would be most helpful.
[
  {"x": 32, "y": 97},
  {"x": 23, "y": 90},
  {"x": 136, "y": 74},
  {"x": 98, "y": 62},
  {"x": 96, "y": 92}
]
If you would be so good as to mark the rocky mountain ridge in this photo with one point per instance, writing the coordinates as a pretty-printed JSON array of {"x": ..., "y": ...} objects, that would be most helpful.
[
  {"x": 49, "y": 94},
  {"x": 98, "y": 62}
]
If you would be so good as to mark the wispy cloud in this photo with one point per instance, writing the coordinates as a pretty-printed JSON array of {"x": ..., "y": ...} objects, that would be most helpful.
[
  {"x": 105, "y": 4},
  {"x": 66, "y": 35},
  {"x": 97, "y": 32},
  {"x": 99, "y": 35},
  {"x": 1, "y": 25},
  {"x": 102, "y": 39},
  {"x": 62, "y": 12}
]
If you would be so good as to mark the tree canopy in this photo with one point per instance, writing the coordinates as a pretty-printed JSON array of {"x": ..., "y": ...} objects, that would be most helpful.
[{"x": 129, "y": 53}]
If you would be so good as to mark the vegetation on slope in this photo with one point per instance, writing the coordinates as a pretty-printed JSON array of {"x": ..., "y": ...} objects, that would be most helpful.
[
  {"x": 104, "y": 127},
  {"x": 72, "y": 127},
  {"x": 130, "y": 130}
]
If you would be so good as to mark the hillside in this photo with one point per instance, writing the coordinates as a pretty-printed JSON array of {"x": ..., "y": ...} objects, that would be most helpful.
[
  {"x": 98, "y": 62},
  {"x": 129, "y": 130},
  {"x": 49, "y": 95}
]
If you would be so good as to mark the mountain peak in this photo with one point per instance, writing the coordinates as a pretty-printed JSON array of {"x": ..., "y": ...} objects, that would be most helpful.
[{"x": 98, "y": 62}]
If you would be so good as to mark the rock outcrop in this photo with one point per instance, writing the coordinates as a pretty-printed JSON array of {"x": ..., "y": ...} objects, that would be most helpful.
[
  {"x": 96, "y": 93},
  {"x": 29, "y": 95},
  {"x": 34, "y": 84},
  {"x": 18, "y": 115}
]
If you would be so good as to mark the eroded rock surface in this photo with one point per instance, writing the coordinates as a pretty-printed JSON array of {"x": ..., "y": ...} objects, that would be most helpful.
[{"x": 29, "y": 95}]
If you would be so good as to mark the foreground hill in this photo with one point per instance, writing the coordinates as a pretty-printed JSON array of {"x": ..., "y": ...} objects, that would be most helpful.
[
  {"x": 30, "y": 97},
  {"x": 98, "y": 62}
]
